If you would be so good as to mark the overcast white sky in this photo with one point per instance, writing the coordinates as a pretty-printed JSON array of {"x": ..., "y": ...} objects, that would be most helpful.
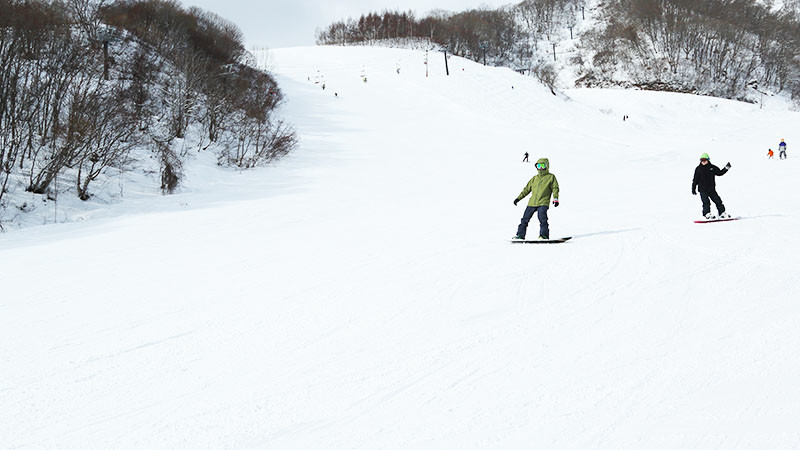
[{"x": 289, "y": 23}]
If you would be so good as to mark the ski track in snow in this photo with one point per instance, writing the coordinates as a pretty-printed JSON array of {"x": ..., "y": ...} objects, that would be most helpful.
[{"x": 362, "y": 293}]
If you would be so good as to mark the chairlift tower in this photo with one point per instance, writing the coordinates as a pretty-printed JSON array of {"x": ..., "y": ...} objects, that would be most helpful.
[{"x": 106, "y": 36}]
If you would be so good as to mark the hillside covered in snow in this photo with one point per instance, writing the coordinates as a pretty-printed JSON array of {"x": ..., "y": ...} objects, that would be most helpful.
[
  {"x": 101, "y": 101},
  {"x": 362, "y": 292},
  {"x": 739, "y": 49}
]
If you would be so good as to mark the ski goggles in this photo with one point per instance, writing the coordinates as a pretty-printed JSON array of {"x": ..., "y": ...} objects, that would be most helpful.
[
  {"x": 541, "y": 166},
  {"x": 703, "y": 159}
]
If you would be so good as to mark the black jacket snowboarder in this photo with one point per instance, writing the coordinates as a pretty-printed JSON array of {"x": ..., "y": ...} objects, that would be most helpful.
[
  {"x": 704, "y": 177},
  {"x": 704, "y": 181}
]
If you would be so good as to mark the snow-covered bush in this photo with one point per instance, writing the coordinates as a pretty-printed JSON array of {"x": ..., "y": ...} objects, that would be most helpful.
[
  {"x": 547, "y": 74},
  {"x": 259, "y": 142}
]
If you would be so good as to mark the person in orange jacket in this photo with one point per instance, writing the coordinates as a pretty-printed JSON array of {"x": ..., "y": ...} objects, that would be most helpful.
[{"x": 770, "y": 153}]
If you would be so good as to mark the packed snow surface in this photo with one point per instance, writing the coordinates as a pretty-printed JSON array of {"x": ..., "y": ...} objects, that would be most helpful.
[{"x": 363, "y": 293}]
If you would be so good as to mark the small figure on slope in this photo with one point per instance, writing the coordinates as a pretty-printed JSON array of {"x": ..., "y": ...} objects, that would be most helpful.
[
  {"x": 525, "y": 159},
  {"x": 541, "y": 187},
  {"x": 704, "y": 181},
  {"x": 770, "y": 153},
  {"x": 782, "y": 150}
]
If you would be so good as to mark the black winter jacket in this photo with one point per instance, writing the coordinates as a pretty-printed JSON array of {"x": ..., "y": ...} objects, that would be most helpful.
[{"x": 704, "y": 177}]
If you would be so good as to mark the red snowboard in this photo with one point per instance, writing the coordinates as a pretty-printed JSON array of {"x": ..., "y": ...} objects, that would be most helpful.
[{"x": 717, "y": 220}]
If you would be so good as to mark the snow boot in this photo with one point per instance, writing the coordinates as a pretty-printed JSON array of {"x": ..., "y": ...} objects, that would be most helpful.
[
  {"x": 725, "y": 215},
  {"x": 710, "y": 216}
]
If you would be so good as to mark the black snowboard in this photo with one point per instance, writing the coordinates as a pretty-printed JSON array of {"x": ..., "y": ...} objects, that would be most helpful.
[{"x": 540, "y": 241}]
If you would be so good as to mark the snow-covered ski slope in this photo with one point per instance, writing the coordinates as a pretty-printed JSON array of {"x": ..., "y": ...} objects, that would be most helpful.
[{"x": 363, "y": 294}]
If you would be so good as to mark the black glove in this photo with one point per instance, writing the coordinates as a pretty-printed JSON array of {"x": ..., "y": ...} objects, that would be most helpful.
[
  {"x": 555, "y": 203},
  {"x": 728, "y": 166},
  {"x": 694, "y": 192},
  {"x": 516, "y": 200}
]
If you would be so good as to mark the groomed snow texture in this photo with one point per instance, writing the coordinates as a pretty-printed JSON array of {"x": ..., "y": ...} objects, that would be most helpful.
[{"x": 363, "y": 293}]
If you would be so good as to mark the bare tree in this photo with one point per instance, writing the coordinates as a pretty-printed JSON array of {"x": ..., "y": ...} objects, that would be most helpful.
[
  {"x": 111, "y": 135},
  {"x": 181, "y": 91},
  {"x": 176, "y": 68}
]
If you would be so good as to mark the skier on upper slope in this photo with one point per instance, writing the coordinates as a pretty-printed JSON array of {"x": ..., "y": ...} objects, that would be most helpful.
[
  {"x": 782, "y": 148},
  {"x": 541, "y": 187},
  {"x": 704, "y": 181}
]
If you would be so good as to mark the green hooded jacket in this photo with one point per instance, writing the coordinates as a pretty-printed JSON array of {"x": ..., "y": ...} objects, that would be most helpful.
[{"x": 541, "y": 186}]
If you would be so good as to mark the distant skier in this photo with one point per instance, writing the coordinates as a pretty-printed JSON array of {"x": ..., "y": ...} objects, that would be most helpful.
[
  {"x": 704, "y": 181},
  {"x": 770, "y": 153},
  {"x": 525, "y": 159},
  {"x": 542, "y": 186},
  {"x": 782, "y": 150}
]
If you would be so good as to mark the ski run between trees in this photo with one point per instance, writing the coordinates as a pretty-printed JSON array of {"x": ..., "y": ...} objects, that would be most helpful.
[{"x": 361, "y": 293}]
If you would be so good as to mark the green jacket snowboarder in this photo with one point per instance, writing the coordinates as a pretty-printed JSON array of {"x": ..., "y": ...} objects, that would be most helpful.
[{"x": 541, "y": 187}]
